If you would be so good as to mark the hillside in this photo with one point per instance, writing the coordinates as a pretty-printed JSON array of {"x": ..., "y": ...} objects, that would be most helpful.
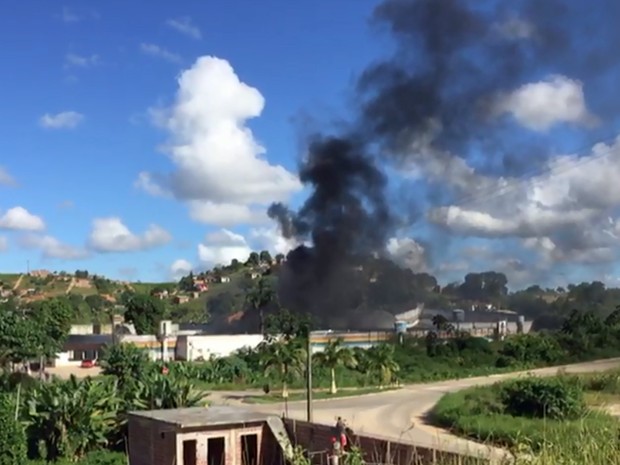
[{"x": 220, "y": 295}]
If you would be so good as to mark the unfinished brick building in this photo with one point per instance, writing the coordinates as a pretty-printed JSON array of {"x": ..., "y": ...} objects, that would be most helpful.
[
  {"x": 219, "y": 435},
  {"x": 225, "y": 435}
]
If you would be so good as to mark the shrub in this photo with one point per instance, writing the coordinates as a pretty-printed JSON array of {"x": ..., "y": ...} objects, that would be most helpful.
[
  {"x": 479, "y": 413},
  {"x": 605, "y": 382},
  {"x": 557, "y": 398},
  {"x": 13, "y": 445}
]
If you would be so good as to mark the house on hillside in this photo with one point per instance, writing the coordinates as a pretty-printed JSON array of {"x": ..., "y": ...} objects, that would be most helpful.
[
  {"x": 181, "y": 299},
  {"x": 254, "y": 275},
  {"x": 161, "y": 295},
  {"x": 40, "y": 273},
  {"x": 224, "y": 279},
  {"x": 201, "y": 285}
]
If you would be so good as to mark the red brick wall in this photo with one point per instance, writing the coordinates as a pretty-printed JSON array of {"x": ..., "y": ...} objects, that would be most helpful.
[{"x": 316, "y": 439}]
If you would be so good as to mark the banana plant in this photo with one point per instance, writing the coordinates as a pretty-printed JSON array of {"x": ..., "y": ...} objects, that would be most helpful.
[
  {"x": 159, "y": 391},
  {"x": 72, "y": 417}
]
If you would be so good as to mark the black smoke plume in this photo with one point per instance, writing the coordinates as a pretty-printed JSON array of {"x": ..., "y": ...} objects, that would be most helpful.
[{"x": 452, "y": 61}]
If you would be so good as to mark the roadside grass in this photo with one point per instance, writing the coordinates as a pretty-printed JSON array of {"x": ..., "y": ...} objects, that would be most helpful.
[
  {"x": 480, "y": 413},
  {"x": 146, "y": 288},
  {"x": 9, "y": 279},
  {"x": 275, "y": 397}
]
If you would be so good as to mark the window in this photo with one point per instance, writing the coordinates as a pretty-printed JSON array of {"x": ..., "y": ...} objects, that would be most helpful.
[
  {"x": 189, "y": 452},
  {"x": 216, "y": 451},
  {"x": 249, "y": 449}
]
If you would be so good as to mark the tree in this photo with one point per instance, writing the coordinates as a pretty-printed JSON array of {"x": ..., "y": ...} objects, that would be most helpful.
[
  {"x": 96, "y": 302},
  {"x": 186, "y": 283},
  {"x": 20, "y": 338},
  {"x": 253, "y": 259},
  {"x": 126, "y": 362},
  {"x": 280, "y": 258},
  {"x": 145, "y": 312},
  {"x": 13, "y": 446},
  {"x": 287, "y": 325},
  {"x": 334, "y": 355},
  {"x": 440, "y": 322},
  {"x": 260, "y": 297},
  {"x": 53, "y": 319},
  {"x": 382, "y": 362},
  {"x": 265, "y": 257},
  {"x": 283, "y": 359}
]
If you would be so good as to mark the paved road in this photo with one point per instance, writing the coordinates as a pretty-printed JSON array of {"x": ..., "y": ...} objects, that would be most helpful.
[{"x": 399, "y": 414}]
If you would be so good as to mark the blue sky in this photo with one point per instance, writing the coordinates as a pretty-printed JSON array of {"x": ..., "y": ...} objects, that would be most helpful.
[{"x": 93, "y": 125}]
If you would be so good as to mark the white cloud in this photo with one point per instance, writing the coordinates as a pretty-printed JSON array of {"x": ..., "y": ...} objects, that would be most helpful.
[
  {"x": 111, "y": 235},
  {"x": 408, "y": 253},
  {"x": 270, "y": 239},
  {"x": 220, "y": 167},
  {"x": 185, "y": 26},
  {"x": 225, "y": 215},
  {"x": 180, "y": 268},
  {"x": 221, "y": 247},
  {"x": 159, "y": 52},
  {"x": 4, "y": 244},
  {"x": 53, "y": 248},
  {"x": 148, "y": 185},
  {"x": 20, "y": 219},
  {"x": 81, "y": 61},
  {"x": 62, "y": 120},
  {"x": 541, "y": 105},
  {"x": 6, "y": 179},
  {"x": 71, "y": 16},
  {"x": 562, "y": 212}
]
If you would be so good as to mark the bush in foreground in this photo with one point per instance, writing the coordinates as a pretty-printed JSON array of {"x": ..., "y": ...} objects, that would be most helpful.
[
  {"x": 557, "y": 398},
  {"x": 491, "y": 414}
]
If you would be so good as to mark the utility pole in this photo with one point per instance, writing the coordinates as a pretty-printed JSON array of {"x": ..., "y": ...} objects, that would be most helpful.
[{"x": 309, "y": 379}]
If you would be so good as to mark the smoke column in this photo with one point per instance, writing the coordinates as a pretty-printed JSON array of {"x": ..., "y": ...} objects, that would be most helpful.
[{"x": 452, "y": 60}]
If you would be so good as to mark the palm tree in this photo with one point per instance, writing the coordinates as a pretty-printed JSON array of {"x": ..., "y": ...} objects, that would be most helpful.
[
  {"x": 260, "y": 297},
  {"x": 381, "y": 359},
  {"x": 284, "y": 359},
  {"x": 440, "y": 322},
  {"x": 334, "y": 355}
]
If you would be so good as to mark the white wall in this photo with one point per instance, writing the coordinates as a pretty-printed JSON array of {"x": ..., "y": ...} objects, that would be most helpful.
[{"x": 221, "y": 345}]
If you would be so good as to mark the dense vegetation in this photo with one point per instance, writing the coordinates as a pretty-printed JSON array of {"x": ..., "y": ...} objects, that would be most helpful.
[
  {"x": 252, "y": 288},
  {"x": 70, "y": 420},
  {"x": 554, "y": 413}
]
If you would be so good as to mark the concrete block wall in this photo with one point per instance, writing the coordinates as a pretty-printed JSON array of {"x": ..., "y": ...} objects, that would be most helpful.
[
  {"x": 150, "y": 443},
  {"x": 316, "y": 439},
  {"x": 153, "y": 443}
]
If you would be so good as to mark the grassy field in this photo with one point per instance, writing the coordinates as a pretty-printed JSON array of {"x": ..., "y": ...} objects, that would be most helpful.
[
  {"x": 274, "y": 397},
  {"x": 146, "y": 288},
  {"x": 84, "y": 291},
  {"x": 9, "y": 279},
  {"x": 574, "y": 416}
]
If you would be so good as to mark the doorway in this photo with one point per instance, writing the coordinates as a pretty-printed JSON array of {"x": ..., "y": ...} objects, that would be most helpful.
[
  {"x": 189, "y": 452},
  {"x": 216, "y": 451},
  {"x": 249, "y": 449}
]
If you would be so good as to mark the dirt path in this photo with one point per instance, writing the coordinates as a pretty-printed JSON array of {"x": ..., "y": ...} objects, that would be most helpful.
[
  {"x": 18, "y": 282},
  {"x": 71, "y": 286}
]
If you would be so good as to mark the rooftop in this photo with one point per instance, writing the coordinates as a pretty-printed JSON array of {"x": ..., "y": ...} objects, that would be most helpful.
[{"x": 192, "y": 417}]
